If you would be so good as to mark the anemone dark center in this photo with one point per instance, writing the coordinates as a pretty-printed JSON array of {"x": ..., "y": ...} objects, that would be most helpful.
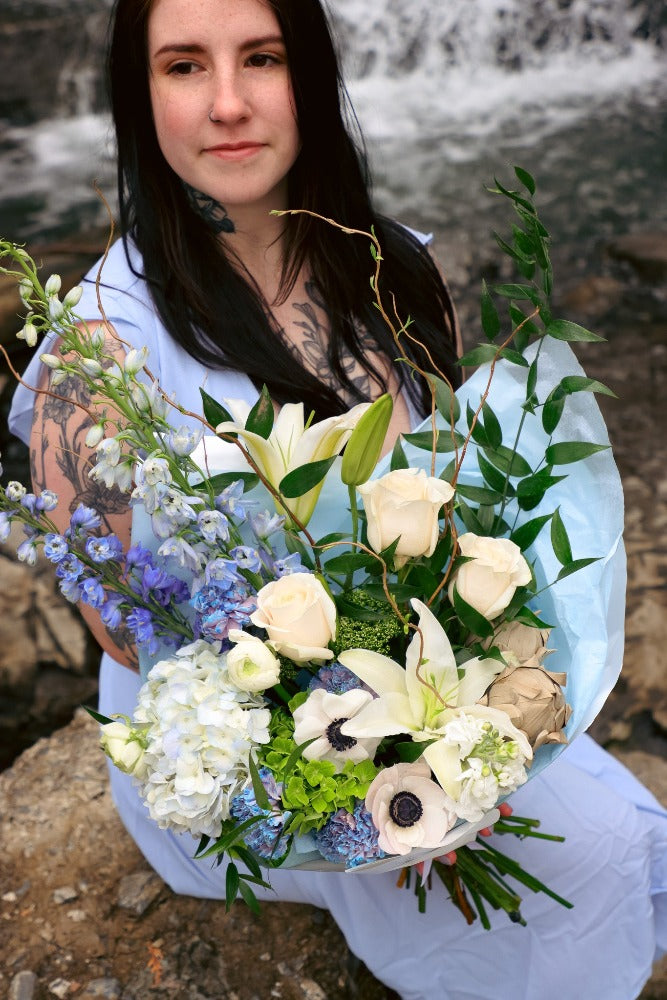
[
  {"x": 337, "y": 740},
  {"x": 405, "y": 809}
]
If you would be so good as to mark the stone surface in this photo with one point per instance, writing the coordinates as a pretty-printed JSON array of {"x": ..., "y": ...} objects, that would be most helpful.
[{"x": 22, "y": 986}]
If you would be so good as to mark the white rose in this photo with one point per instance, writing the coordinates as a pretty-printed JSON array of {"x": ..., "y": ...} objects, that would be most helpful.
[
  {"x": 125, "y": 747},
  {"x": 251, "y": 665},
  {"x": 488, "y": 582},
  {"x": 405, "y": 503},
  {"x": 299, "y": 617}
]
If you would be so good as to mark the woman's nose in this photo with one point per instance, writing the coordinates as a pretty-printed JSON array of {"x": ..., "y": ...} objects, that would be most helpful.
[{"x": 230, "y": 103}]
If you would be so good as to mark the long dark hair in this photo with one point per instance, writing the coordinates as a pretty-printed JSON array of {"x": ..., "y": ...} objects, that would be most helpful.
[{"x": 207, "y": 307}]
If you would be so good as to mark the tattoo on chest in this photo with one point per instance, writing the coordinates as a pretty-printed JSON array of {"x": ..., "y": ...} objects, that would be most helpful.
[
  {"x": 310, "y": 344},
  {"x": 211, "y": 211}
]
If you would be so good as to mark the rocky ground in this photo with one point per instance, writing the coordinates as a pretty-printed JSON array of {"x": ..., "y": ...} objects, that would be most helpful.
[{"x": 80, "y": 914}]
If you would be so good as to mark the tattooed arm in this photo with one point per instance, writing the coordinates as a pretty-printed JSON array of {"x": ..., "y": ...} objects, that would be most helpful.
[{"x": 60, "y": 461}]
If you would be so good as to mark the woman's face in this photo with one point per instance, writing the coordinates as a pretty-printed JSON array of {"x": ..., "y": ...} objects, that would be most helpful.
[{"x": 224, "y": 59}]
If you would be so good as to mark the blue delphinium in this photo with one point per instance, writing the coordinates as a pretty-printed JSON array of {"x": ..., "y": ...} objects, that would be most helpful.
[
  {"x": 349, "y": 838},
  {"x": 55, "y": 547},
  {"x": 103, "y": 549},
  {"x": 140, "y": 623},
  {"x": 265, "y": 836},
  {"x": 83, "y": 521}
]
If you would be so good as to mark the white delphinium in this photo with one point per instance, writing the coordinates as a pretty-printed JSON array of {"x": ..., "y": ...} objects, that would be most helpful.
[{"x": 200, "y": 729}]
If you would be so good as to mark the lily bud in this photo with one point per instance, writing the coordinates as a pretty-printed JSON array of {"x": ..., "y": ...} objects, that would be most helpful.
[
  {"x": 53, "y": 284},
  {"x": 365, "y": 445}
]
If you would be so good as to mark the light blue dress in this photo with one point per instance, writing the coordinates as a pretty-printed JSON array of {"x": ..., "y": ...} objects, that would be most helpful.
[{"x": 612, "y": 866}]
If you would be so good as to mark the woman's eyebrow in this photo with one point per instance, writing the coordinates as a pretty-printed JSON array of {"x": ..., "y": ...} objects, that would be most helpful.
[{"x": 196, "y": 48}]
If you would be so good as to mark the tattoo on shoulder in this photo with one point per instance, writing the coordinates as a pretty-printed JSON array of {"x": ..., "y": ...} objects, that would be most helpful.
[{"x": 211, "y": 211}]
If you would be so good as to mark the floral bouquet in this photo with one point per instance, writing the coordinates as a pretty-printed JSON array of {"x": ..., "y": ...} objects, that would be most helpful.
[{"x": 345, "y": 656}]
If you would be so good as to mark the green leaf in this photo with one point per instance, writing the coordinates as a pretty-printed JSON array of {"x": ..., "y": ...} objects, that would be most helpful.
[
  {"x": 398, "y": 457},
  {"x": 478, "y": 494},
  {"x": 469, "y": 518},
  {"x": 508, "y": 461},
  {"x": 560, "y": 541},
  {"x": 408, "y": 753},
  {"x": 565, "y": 452},
  {"x": 575, "y": 566},
  {"x": 480, "y": 355},
  {"x": 512, "y": 291},
  {"x": 261, "y": 795},
  {"x": 579, "y": 383},
  {"x": 525, "y": 535},
  {"x": 102, "y": 719},
  {"x": 494, "y": 477},
  {"x": 222, "y": 480},
  {"x": 552, "y": 411},
  {"x": 527, "y": 617},
  {"x": 526, "y": 179},
  {"x": 492, "y": 426},
  {"x": 476, "y": 427},
  {"x": 248, "y": 858},
  {"x": 294, "y": 544},
  {"x": 445, "y": 399},
  {"x": 514, "y": 357},
  {"x": 249, "y": 897},
  {"x": 231, "y": 885},
  {"x": 214, "y": 412},
  {"x": 532, "y": 489},
  {"x": 531, "y": 381},
  {"x": 349, "y": 562},
  {"x": 348, "y": 609},
  {"x": 563, "y": 329},
  {"x": 446, "y": 441},
  {"x": 519, "y": 318},
  {"x": 300, "y": 481},
  {"x": 471, "y": 618},
  {"x": 490, "y": 317},
  {"x": 261, "y": 417}
]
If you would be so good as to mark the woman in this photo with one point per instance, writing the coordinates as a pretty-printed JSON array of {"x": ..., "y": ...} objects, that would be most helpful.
[{"x": 224, "y": 111}]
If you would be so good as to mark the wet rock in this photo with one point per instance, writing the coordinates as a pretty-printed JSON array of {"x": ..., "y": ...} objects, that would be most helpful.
[
  {"x": 104, "y": 989},
  {"x": 645, "y": 252}
]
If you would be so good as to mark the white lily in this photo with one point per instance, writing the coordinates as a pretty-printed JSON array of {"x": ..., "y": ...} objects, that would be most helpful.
[
  {"x": 423, "y": 703},
  {"x": 291, "y": 444}
]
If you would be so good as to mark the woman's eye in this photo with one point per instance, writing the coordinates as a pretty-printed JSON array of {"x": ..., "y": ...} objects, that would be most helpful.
[
  {"x": 182, "y": 69},
  {"x": 261, "y": 59}
]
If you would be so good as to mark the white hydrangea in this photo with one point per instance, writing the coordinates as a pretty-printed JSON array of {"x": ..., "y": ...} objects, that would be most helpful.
[{"x": 201, "y": 729}]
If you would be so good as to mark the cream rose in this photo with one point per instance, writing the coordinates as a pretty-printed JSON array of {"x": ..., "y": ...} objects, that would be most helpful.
[
  {"x": 251, "y": 666},
  {"x": 404, "y": 504},
  {"x": 496, "y": 568},
  {"x": 299, "y": 617}
]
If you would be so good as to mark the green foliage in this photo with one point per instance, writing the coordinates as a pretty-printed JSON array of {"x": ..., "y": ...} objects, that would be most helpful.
[{"x": 366, "y": 622}]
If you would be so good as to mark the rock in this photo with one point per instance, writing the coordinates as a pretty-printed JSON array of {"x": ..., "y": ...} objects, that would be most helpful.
[
  {"x": 105, "y": 989},
  {"x": 645, "y": 252},
  {"x": 138, "y": 891},
  {"x": 60, "y": 988},
  {"x": 66, "y": 894},
  {"x": 22, "y": 986}
]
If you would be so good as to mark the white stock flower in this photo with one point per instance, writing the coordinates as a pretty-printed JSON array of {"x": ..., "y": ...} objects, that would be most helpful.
[
  {"x": 291, "y": 444},
  {"x": 321, "y": 717},
  {"x": 199, "y": 730},
  {"x": 53, "y": 284},
  {"x": 408, "y": 808},
  {"x": 298, "y": 615},
  {"x": 405, "y": 504},
  {"x": 135, "y": 360},
  {"x": 251, "y": 665},
  {"x": 73, "y": 297},
  {"x": 94, "y": 435},
  {"x": 496, "y": 568},
  {"x": 124, "y": 745}
]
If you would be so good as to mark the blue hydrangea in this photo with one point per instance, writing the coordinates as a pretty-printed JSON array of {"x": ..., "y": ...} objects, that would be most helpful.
[
  {"x": 336, "y": 679},
  {"x": 264, "y": 837},
  {"x": 349, "y": 838}
]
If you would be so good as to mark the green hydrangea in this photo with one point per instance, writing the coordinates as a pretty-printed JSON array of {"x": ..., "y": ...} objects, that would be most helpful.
[{"x": 312, "y": 789}]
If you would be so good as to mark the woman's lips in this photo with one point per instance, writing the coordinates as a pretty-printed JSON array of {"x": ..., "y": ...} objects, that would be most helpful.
[{"x": 235, "y": 150}]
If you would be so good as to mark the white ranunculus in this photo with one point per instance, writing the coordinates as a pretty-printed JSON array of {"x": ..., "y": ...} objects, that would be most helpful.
[
  {"x": 496, "y": 568},
  {"x": 408, "y": 808},
  {"x": 405, "y": 504},
  {"x": 291, "y": 444},
  {"x": 125, "y": 747},
  {"x": 320, "y": 718},
  {"x": 250, "y": 664},
  {"x": 298, "y": 615}
]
